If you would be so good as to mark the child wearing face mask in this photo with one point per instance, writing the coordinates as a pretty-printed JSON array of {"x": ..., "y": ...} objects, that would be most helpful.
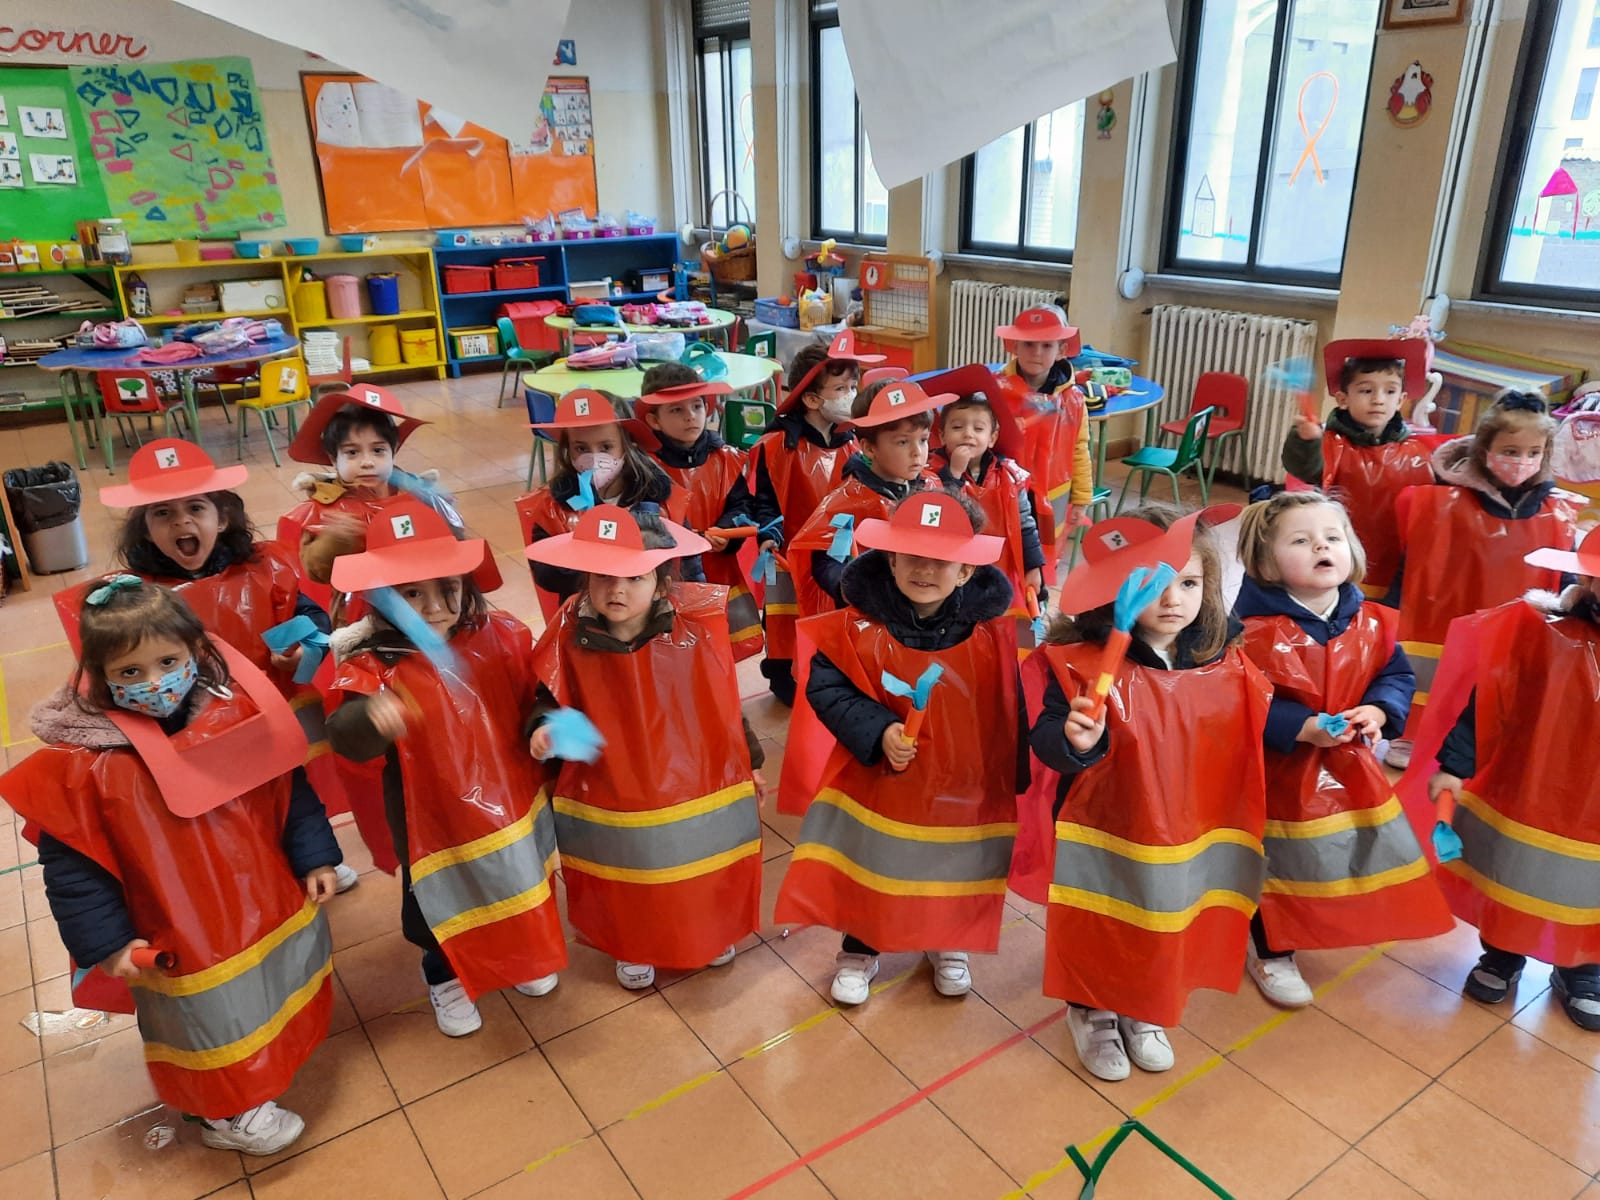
[
  {"x": 660, "y": 834},
  {"x": 675, "y": 404},
  {"x": 1157, "y": 861},
  {"x": 471, "y": 825},
  {"x": 798, "y": 461},
  {"x": 598, "y": 461},
  {"x": 140, "y": 855},
  {"x": 1343, "y": 866},
  {"x": 907, "y": 838},
  {"x": 1466, "y": 538},
  {"x": 892, "y": 422}
]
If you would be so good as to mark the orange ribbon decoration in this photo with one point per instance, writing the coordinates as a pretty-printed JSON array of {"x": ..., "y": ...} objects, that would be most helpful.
[{"x": 1313, "y": 138}]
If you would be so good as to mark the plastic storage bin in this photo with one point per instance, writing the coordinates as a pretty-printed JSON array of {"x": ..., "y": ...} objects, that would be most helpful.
[
  {"x": 420, "y": 346},
  {"x": 310, "y": 301},
  {"x": 527, "y": 318},
  {"x": 479, "y": 341},
  {"x": 467, "y": 279},
  {"x": 383, "y": 345},
  {"x": 513, "y": 273},
  {"x": 344, "y": 297},
  {"x": 383, "y": 291},
  {"x": 47, "y": 503},
  {"x": 784, "y": 316}
]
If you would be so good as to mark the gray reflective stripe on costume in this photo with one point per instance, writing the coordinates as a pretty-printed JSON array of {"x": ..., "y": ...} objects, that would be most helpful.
[
  {"x": 232, "y": 1010},
  {"x": 313, "y": 723},
  {"x": 742, "y": 612},
  {"x": 490, "y": 878},
  {"x": 909, "y": 859},
  {"x": 1159, "y": 887},
  {"x": 1345, "y": 854},
  {"x": 1520, "y": 867},
  {"x": 659, "y": 847},
  {"x": 1424, "y": 658},
  {"x": 1060, "y": 506},
  {"x": 781, "y": 589}
]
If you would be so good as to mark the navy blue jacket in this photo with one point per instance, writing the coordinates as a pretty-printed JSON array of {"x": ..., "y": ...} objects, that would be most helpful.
[{"x": 1391, "y": 688}]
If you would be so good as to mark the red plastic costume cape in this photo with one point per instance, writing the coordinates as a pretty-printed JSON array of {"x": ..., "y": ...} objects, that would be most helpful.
[
  {"x": 661, "y": 836},
  {"x": 1000, "y": 498},
  {"x": 1460, "y": 559},
  {"x": 1157, "y": 860},
  {"x": 249, "y": 999},
  {"x": 705, "y": 489},
  {"x": 478, "y": 824},
  {"x": 1051, "y": 437},
  {"x": 917, "y": 859},
  {"x": 1343, "y": 866},
  {"x": 800, "y": 478},
  {"x": 1529, "y": 819},
  {"x": 1368, "y": 479},
  {"x": 815, "y": 536}
]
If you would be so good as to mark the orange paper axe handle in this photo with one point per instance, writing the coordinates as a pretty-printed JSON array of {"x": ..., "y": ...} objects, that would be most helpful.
[
  {"x": 734, "y": 531},
  {"x": 148, "y": 957},
  {"x": 913, "y": 726},
  {"x": 1308, "y": 410},
  {"x": 1033, "y": 602},
  {"x": 1110, "y": 662},
  {"x": 1445, "y": 807}
]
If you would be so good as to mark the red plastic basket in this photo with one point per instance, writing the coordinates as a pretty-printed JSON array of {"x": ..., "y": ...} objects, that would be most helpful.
[
  {"x": 512, "y": 273},
  {"x": 467, "y": 279}
]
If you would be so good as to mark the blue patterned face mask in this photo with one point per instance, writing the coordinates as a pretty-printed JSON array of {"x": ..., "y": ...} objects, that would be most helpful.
[{"x": 159, "y": 697}]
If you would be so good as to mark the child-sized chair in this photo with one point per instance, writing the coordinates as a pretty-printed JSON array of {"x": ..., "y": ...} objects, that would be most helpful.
[
  {"x": 1150, "y": 461},
  {"x": 763, "y": 344},
  {"x": 541, "y": 411},
  {"x": 744, "y": 420},
  {"x": 516, "y": 358},
  {"x": 284, "y": 385},
  {"x": 1228, "y": 395},
  {"x": 1099, "y": 510},
  {"x": 339, "y": 381},
  {"x": 128, "y": 393}
]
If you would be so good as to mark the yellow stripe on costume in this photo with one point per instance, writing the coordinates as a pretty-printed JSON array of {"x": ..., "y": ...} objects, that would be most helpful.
[
  {"x": 225, "y": 1056},
  {"x": 914, "y": 833},
  {"x": 1145, "y": 853},
  {"x": 1540, "y": 839},
  {"x": 454, "y": 856},
  {"x": 1422, "y": 649},
  {"x": 1358, "y": 818},
  {"x": 1365, "y": 885},
  {"x": 829, "y": 857},
  {"x": 500, "y": 910},
  {"x": 1155, "y": 922},
  {"x": 783, "y": 610},
  {"x": 1522, "y": 902},
  {"x": 651, "y": 817},
  {"x": 231, "y": 968},
  {"x": 701, "y": 866}
]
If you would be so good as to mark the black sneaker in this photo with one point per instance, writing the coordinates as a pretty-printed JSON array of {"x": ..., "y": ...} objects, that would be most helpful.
[
  {"x": 1495, "y": 975},
  {"x": 780, "y": 680},
  {"x": 1578, "y": 989}
]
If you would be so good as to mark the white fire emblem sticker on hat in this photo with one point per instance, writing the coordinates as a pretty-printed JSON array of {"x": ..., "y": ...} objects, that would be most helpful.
[
  {"x": 402, "y": 526},
  {"x": 932, "y": 515},
  {"x": 608, "y": 531},
  {"x": 372, "y": 396},
  {"x": 167, "y": 458},
  {"x": 1113, "y": 540},
  {"x": 896, "y": 396},
  {"x": 580, "y": 406}
]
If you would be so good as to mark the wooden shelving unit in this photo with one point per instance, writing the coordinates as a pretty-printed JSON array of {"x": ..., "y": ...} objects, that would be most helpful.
[{"x": 41, "y": 306}]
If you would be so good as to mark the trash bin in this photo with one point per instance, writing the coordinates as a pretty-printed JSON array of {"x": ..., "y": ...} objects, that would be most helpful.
[{"x": 46, "y": 502}]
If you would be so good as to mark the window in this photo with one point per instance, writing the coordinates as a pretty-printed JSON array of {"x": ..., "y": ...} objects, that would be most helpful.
[
  {"x": 1594, "y": 31},
  {"x": 722, "y": 44},
  {"x": 848, "y": 200},
  {"x": 1268, "y": 136},
  {"x": 1544, "y": 241},
  {"x": 1020, "y": 192}
]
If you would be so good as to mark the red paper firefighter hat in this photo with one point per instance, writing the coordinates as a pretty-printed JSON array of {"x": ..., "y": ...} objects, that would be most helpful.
[
  {"x": 931, "y": 525},
  {"x": 868, "y": 378},
  {"x": 607, "y": 541},
  {"x": 1041, "y": 324},
  {"x": 712, "y": 390},
  {"x": 1413, "y": 352},
  {"x": 1115, "y": 548},
  {"x": 408, "y": 542},
  {"x": 1004, "y": 400},
  {"x": 898, "y": 400},
  {"x": 307, "y": 444},
  {"x": 1585, "y": 560},
  {"x": 170, "y": 469},
  {"x": 581, "y": 408},
  {"x": 841, "y": 349}
]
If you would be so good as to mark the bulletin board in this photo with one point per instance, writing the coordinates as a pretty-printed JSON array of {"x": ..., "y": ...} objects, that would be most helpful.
[
  {"x": 387, "y": 162},
  {"x": 31, "y": 209}
]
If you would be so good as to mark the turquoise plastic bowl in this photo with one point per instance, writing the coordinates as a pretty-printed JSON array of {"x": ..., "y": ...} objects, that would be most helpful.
[
  {"x": 246, "y": 248},
  {"x": 304, "y": 245}
]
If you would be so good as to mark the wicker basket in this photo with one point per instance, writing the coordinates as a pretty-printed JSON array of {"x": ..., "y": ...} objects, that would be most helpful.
[{"x": 737, "y": 266}]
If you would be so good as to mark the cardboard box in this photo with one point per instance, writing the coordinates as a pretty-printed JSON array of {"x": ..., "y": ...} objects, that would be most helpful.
[{"x": 251, "y": 295}]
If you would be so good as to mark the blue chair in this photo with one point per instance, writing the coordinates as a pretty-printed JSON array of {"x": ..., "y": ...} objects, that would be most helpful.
[
  {"x": 1150, "y": 461},
  {"x": 541, "y": 411}
]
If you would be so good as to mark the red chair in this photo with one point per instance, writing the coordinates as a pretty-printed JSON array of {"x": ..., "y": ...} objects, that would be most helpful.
[
  {"x": 127, "y": 393},
  {"x": 1228, "y": 395}
]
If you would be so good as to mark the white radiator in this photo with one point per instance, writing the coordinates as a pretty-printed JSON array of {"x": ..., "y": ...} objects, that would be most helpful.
[
  {"x": 976, "y": 308},
  {"x": 1186, "y": 342}
]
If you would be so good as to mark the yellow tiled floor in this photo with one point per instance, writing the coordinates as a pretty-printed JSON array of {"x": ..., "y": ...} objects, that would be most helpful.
[{"x": 745, "y": 1081}]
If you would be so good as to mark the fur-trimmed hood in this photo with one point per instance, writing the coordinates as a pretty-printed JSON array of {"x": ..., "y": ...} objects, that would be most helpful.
[
  {"x": 868, "y": 585},
  {"x": 368, "y": 634},
  {"x": 323, "y": 484},
  {"x": 1574, "y": 600},
  {"x": 1452, "y": 463},
  {"x": 57, "y": 720}
]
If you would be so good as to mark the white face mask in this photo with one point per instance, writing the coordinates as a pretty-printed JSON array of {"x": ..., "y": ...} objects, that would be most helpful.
[
  {"x": 603, "y": 468},
  {"x": 836, "y": 409}
]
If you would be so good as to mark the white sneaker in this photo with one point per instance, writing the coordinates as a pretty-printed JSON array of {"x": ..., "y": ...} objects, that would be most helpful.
[
  {"x": 264, "y": 1129},
  {"x": 540, "y": 987},
  {"x": 722, "y": 959},
  {"x": 453, "y": 1009},
  {"x": 635, "y": 976},
  {"x": 344, "y": 878},
  {"x": 1146, "y": 1044},
  {"x": 852, "y": 977},
  {"x": 951, "y": 976},
  {"x": 1098, "y": 1041},
  {"x": 1278, "y": 978},
  {"x": 1398, "y": 755}
]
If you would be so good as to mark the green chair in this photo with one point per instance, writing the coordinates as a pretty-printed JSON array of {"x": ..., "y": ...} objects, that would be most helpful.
[
  {"x": 1099, "y": 510},
  {"x": 516, "y": 358},
  {"x": 745, "y": 420},
  {"x": 762, "y": 345},
  {"x": 1150, "y": 461}
]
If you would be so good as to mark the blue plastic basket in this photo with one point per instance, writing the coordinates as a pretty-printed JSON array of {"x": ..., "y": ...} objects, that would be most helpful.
[{"x": 304, "y": 245}]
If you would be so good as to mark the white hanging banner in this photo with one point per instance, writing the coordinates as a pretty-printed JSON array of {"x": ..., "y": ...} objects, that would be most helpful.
[
  {"x": 938, "y": 79},
  {"x": 486, "y": 60}
]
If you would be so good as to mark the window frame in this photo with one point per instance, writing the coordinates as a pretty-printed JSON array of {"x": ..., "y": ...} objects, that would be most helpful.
[
  {"x": 1533, "y": 57},
  {"x": 726, "y": 41},
  {"x": 819, "y": 231},
  {"x": 1020, "y": 249},
  {"x": 1248, "y": 271}
]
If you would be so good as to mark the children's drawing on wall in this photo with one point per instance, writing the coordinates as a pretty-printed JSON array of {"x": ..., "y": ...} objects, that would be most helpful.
[
  {"x": 1410, "y": 96},
  {"x": 9, "y": 147},
  {"x": 42, "y": 122},
  {"x": 1106, "y": 119},
  {"x": 5, "y": 114},
  {"x": 10, "y": 173},
  {"x": 54, "y": 168},
  {"x": 1203, "y": 215},
  {"x": 1310, "y": 151}
]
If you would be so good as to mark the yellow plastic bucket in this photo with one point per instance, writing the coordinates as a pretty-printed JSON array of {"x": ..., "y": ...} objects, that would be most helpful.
[
  {"x": 310, "y": 301},
  {"x": 188, "y": 250},
  {"x": 383, "y": 345},
  {"x": 419, "y": 346}
]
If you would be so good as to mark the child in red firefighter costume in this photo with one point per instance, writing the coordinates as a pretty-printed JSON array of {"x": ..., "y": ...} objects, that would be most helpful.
[
  {"x": 798, "y": 461},
  {"x": 601, "y": 458},
  {"x": 1158, "y": 858},
  {"x": 1365, "y": 455},
  {"x": 980, "y": 439},
  {"x": 660, "y": 834},
  {"x": 674, "y": 404},
  {"x": 907, "y": 837},
  {"x": 1465, "y": 540},
  {"x": 1056, "y": 450},
  {"x": 166, "y": 825},
  {"x": 471, "y": 824},
  {"x": 892, "y": 422},
  {"x": 1343, "y": 866}
]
